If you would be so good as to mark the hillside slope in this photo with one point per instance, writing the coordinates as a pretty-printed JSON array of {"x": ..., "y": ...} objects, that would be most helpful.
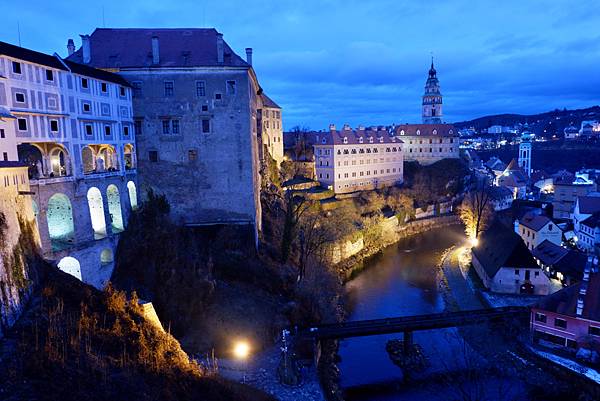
[{"x": 76, "y": 343}]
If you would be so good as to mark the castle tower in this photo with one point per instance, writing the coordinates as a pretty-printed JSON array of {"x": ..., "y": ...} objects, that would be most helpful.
[
  {"x": 432, "y": 99},
  {"x": 525, "y": 154}
]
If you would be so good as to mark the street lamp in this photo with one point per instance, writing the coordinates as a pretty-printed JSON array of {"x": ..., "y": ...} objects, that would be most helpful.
[
  {"x": 241, "y": 351},
  {"x": 474, "y": 242}
]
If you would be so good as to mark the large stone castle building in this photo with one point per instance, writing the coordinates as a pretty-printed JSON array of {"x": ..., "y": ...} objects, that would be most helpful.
[
  {"x": 70, "y": 127},
  {"x": 197, "y": 108}
]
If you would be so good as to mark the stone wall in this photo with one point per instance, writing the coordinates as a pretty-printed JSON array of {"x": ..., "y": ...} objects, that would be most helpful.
[{"x": 15, "y": 209}]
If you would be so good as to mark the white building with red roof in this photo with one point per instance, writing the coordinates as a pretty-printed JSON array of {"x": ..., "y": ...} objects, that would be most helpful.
[{"x": 351, "y": 160}]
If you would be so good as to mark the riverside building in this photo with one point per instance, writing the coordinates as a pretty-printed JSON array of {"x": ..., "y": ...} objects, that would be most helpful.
[{"x": 355, "y": 160}]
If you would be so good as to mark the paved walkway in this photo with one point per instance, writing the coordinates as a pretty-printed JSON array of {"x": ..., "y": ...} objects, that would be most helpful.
[
  {"x": 261, "y": 372},
  {"x": 460, "y": 290}
]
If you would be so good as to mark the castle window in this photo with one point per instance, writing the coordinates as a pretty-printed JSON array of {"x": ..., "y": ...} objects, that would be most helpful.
[
  {"x": 87, "y": 107},
  {"x": 20, "y": 97},
  {"x": 125, "y": 130},
  {"x": 205, "y": 126},
  {"x": 153, "y": 156},
  {"x": 204, "y": 107},
  {"x": 137, "y": 126},
  {"x": 200, "y": 88},
  {"x": 103, "y": 87},
  {"x": 192, "y": 155},
  {"x": 122, "y": 92},
  {"x": 166, "y": 128},
  {"x": 22, "y": 124},
  {"x": 16, "y": 67},
  {"x": 107, "y": 130},
  {"x": 84, "y": 83},
  {"x": 218, "y": 96},
  {"x": 89, "y": 129},
  {"x": 169, "y": 88},
  {"x": 175, "y": 126},
  {"x": 230, "y": 88},
  {"x": 54, "y": 125},
  {"x": 137, "y": 88}
]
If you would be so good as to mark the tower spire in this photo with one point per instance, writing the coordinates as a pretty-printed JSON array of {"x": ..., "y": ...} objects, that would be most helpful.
[{"x": 432, "y": 98}]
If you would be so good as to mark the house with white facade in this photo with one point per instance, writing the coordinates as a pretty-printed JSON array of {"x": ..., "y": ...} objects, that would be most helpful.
[
  {"x": 428, "y": 143},
  {"x": 271, "y": 125},
  {"x": 351, "y": 160},
  {"x": 501, "y": 198},
  {"x": 72, "y": 126},
  {"x": 585, "y": 207},
  {"x": 588, "y": 236},
  {"x": 535, "y": 229},
  {"x": 505, "y": 265}
]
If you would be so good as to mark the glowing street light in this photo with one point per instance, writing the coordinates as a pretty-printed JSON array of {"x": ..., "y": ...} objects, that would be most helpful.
[
  {"x": 474, "y": 242},
  {"x": 241, "y": 350}
]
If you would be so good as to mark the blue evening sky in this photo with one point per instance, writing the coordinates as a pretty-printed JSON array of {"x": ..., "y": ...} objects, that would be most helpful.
[{"x": 365, "y": 62}]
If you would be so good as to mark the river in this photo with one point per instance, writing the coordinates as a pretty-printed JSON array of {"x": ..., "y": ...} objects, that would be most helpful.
[{"x": 402, "y": 280}]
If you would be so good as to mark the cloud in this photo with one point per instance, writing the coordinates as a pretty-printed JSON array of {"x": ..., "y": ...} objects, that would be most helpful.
[{"x": 365, "y": 62}]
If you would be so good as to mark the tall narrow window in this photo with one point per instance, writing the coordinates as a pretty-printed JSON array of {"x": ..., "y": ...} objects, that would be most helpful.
[
  {"x": 165, "y": 126},
  {"x": 16, "y": 67},
  {"x": 205, "y": 126},
  {"x": 168, "y": 88},
  {"x": 22, "y": 124},
  {"x": 107, "y": 130},
  {"x": 84, "y": 83},
  {"x": 153, "y": 156},
  {"x": 54, "y": 125},
  {"x": 230, "y": 87},
  {"x": 175, "y": 126},
  {"x": 200, "y": 88},
  {"x": 137, "y": 88},
  {"x": 122, "y": 92},
  {"x": 137, "y": 124},
  {"x": 49, "y": 75},
  {"x": 89, "y": 129}
]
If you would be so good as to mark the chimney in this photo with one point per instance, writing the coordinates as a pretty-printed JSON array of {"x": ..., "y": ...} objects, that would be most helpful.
[
  {"x": 70, "y": 46},
  {"x": 220, "y": 48},
  {"x": 331, "y": 127},
  {"x": 249, "y": 56},
  {"x": 155, "y": 51},
  {"x": 85, "y": 46}
]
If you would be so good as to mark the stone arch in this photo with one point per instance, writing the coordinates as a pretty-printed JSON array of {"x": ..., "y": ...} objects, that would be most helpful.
[
  {"x": 132, "y": 195},
  {"x": 94, "y": 197},
  {"x": 108, "y": 155},
  {"x": 71, "y": 266},
  {"x": 87, "y": 160},
  {"x": 59, "y": 215},
  {"x": 33, "y": 157},
  {"x": 114, "y": 208},
  {"x": 59, "y": 165},
  {"x": 129, "y": 156},
  {"x": 106, "y": 256}
]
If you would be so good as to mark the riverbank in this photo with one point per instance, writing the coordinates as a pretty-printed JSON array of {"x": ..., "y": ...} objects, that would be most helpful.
[
  {"x": 503, "y": 347},
  {"x": 353, "y": 265}
]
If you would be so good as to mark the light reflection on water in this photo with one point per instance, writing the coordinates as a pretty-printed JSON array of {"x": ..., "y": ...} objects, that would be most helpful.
[{"x": 399, "y": 283}]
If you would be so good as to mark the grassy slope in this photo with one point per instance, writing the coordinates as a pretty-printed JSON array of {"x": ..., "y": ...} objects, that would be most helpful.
[{"x": 76, "y": 343}]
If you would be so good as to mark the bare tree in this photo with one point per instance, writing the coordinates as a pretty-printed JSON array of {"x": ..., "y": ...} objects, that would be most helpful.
[
  {"x": 476, "y": 211},
  {"x": 294, "y": 206}
]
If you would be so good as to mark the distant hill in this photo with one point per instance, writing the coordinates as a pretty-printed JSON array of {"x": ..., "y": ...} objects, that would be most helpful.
[{"x": 543, "y": 124}]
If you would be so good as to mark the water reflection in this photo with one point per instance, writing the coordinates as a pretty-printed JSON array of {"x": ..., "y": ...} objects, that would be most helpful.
[{"x": 403, "y": 280}]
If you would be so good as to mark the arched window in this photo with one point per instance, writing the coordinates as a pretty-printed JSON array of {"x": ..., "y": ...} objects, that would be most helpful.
[
  {"x": 60, "y": 221},
  {"x": 70, "y": 266},
  {"x": 32, "y": 156},
  {"x": 87, "y": 160},
  {"x": 106, "y": 256},
  {"x": 94, "y": 197},
  {"x": 114, "y": 208},
  {"x": 58, "y": 162},
  {"x": 129, "y": 156},
  {"x": 132, "y": 195}
]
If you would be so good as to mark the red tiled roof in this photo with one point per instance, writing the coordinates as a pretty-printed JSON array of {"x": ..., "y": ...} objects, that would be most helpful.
[
  {"x": 178, "y": 47},
  {"x": 589, "y": 204},
  {"x": 534, "y": 221},
  {"x": 565, "y": 301},
  {"x": 354, "y": 137},
  {"x": 426, "y": 130},
  {"x": 268, "y": 102}
]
